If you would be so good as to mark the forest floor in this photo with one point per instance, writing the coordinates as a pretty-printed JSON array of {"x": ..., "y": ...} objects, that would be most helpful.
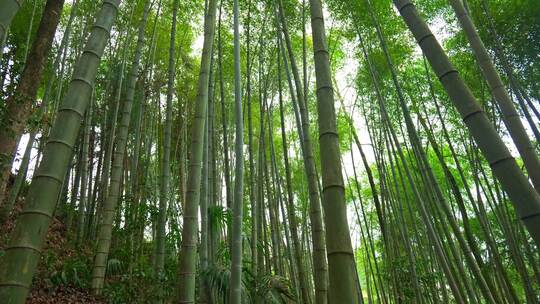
[{"x": 56, "y": 279}]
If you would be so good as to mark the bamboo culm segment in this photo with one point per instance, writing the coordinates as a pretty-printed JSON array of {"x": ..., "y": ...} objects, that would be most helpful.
[
  {"x": 109, "y": 206},
  {"x": 188, "y": 251},
  {"x": 27, "y": 239},
  {"x": 523, "y": 196},
  {"x": 510, "y": 116},
  {"x": 342, "y": 286}
]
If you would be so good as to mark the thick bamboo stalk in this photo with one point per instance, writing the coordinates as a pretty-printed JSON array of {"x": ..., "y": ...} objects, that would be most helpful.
[
  {"x": 510, "y": 116},
  {"x": 110, "y": 205},
  {"x": 236, "y": 237},
  {"x": 32, "y": 225},
  {"x": 320, "y": 265},
  {"x": 525, "y": 199},
  {"x": 186, "y": 267},
  {"x": 342, "y": 287}
]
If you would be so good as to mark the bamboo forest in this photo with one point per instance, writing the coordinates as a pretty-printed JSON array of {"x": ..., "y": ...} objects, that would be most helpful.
[{"x": 270, "y": 151}]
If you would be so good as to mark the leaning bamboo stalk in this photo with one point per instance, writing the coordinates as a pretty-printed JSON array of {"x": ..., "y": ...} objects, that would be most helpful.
[
  {"x": 32, "y": 225},
  {"x": 525, "y": 199},
  {"x": 510, "y": 115}
]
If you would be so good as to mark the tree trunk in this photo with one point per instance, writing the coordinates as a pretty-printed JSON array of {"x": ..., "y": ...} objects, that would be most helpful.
[
  {"x": 510, "y": 115},
  {"x": 20, "y": 103},
  {"x": 5, "y": 210},
  {"x": 109, "y": 206},
  {"x": 236, "y": 248},
  {"x": 525, "y": 199},
  {"x": 33, "y": 222},
  {"x": 187, "y": 263},
  {"x": 165, "y": 163},
  {"x": 302, "y": 278},
  {"x": 85, "y": 181},
  {"x": 224, "y": 122},
  {"x": 341, "y": 264},
  {"x": 319, "y": 250}
]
